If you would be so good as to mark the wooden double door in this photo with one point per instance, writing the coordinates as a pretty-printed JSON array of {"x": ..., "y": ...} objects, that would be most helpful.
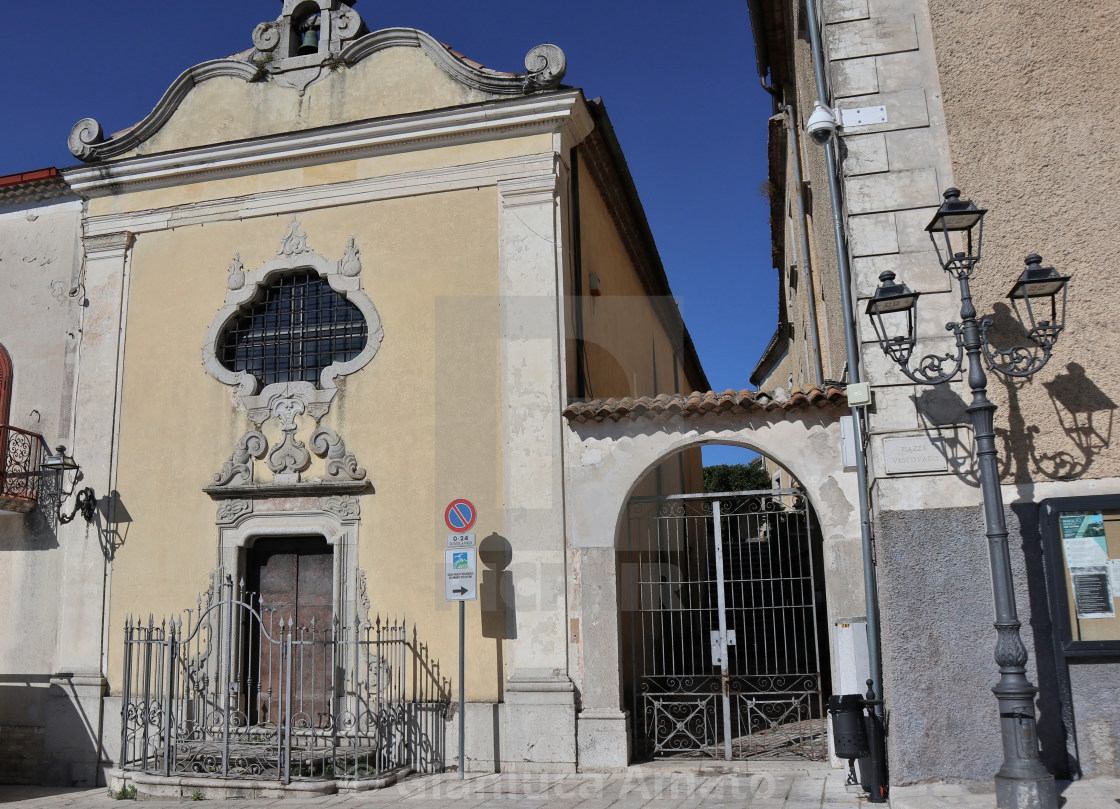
[{"x": 294, "y": 578}]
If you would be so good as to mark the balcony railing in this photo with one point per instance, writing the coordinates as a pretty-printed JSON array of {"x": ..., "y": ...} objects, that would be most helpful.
[{"x": 21, "y": 454}]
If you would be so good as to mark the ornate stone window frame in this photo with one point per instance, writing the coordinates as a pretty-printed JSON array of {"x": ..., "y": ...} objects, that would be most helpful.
[{"x": 245, "y": 287}]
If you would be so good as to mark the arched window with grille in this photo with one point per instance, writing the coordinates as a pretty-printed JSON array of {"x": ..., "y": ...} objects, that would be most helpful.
[{"x": 297, "y": 327}]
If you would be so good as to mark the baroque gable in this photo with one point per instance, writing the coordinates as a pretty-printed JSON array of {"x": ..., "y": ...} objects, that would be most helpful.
[{"x": 316, "y": 65}]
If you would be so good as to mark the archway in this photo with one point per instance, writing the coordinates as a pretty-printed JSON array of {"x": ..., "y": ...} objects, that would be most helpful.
[
  {"x": 610, "y": 446},
  {"x": 723, "y": 639}
]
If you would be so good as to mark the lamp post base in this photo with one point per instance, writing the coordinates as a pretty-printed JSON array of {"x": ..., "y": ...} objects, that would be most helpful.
[{"x": 1037, "y": 792}]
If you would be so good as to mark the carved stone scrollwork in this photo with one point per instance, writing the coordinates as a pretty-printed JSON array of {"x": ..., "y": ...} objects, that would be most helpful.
[
  {"x": 363, "y": 598},
  {"x": 351, "y": 264},
  {"x": 326, "y": 443},
  {"x": 286, "y": 409},
  {"x": 347, "y": 23},
  {"x": 240, "y": 464},
  {"x": 230, "y": 510},
  {"x": 1010, "y": 651},
  {"x": 344, "y": 506},
  {"x": 546, "y": 66},
  {"x": 295, "y": 243},
  {"x": 266, "y": 36},
  {"x": 84, "y": 136},
  {"x": 236, "y": 278},
  {"x": 290, "y": 457}
]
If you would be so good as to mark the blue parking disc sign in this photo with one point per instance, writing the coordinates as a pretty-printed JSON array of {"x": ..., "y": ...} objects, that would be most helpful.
[{"x": 460, "y": 515}]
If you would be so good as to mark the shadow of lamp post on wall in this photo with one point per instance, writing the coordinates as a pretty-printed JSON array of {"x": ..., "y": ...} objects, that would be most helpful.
[
  {"x": 1039, "y": 300},
  {"x": 86, "y": 502}
]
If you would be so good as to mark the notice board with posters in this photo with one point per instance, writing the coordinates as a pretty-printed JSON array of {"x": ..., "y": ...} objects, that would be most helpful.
[{"x": 1081, "y": 538}]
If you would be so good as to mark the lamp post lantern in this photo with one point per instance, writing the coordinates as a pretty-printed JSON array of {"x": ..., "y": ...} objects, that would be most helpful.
[
  {"x": 957, "y": 233},
  {"x": 60, "y": 464}
]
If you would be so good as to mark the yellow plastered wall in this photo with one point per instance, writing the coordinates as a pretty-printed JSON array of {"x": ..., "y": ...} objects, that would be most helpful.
[
  {"x": 628, "y": 351},
  {"x": 422, "y": 417},
  {"x": 391, "y": 82}
]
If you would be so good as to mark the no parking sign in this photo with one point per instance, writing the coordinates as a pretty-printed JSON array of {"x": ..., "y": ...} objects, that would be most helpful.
[{"x": 460, "y": 515}]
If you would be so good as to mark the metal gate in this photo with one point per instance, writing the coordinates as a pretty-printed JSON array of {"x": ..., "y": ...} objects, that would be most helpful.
[
  {"x": 723, "y": 631},
  {"x": 242, "y": 692}
]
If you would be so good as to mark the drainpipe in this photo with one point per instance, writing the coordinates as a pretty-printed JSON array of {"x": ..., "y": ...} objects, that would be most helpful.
[
  {"x": 870, "y": 586},
  {"x": 806, "y": 264}
]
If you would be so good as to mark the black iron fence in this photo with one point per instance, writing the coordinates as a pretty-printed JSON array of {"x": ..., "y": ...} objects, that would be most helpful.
[{"x": 238, "y": 691}]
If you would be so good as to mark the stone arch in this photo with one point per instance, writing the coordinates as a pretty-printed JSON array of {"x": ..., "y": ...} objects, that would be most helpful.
[
  {"x": 693, "y": 443},
  {"x": 610, "y": 446},
  {"x": 606, "y": 460}
]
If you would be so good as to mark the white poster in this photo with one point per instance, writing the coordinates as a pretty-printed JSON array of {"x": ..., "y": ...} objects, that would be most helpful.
[
  {"x": 1114, "y": 575},
  {"x": 1085, "y": 551}
]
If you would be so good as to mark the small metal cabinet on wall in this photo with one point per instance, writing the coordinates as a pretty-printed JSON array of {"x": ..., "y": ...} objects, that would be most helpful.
[{"x": 1081, "y": 549}]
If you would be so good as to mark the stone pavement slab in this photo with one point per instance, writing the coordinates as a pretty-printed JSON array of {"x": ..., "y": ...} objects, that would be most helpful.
[
  {"x": 1095, "y": 793},
  {"x": 668, "y": 786},
  {"x": 647, "y": 787}
]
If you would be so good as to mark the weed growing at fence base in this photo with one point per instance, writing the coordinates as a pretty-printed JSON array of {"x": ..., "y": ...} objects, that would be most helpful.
[{"x": 125, "y": 793}]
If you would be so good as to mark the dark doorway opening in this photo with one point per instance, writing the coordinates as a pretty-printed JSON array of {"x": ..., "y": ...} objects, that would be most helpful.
[{"x": 293, "y": 579}]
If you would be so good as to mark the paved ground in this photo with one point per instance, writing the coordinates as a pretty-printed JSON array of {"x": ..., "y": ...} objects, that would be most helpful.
[{"x": 647, "y": 787}]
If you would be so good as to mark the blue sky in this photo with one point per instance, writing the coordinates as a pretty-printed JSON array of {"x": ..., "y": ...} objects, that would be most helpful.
[{"x": 679, "y": 81}]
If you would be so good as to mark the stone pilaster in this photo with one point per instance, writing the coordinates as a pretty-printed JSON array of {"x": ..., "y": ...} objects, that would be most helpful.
[{"x": 74, "y": 720}]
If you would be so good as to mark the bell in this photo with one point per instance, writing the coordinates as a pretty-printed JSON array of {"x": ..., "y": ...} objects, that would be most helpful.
[{"x": 310, "y": 42}]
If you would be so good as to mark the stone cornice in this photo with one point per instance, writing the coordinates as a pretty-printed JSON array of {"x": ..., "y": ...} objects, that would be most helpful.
[
  {"x": 541, "y": 113},
  {"x": 348, "y": 192},
  {"x": 107, "y": 245},
  {"x": 302, "y": 489}
]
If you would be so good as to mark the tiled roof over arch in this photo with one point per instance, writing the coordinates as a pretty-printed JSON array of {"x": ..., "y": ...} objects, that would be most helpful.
[{"x": 699, "y": 404}]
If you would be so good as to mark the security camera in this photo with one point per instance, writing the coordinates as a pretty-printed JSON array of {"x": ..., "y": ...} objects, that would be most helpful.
[{"x": 821, "y": 124}]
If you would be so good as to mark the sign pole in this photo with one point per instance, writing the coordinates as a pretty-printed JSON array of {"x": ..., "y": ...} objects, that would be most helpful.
[
  {"x": 461, "y": 584},
  {"x": 462, "y": 695}
]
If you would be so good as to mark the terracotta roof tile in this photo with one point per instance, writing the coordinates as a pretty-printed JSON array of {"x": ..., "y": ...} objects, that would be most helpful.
[
  {"x": 700, "y": 404},
  {"x": 30, "y": 187}
]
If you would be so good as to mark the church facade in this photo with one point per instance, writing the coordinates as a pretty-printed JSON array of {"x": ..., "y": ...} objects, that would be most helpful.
[{"x": 327, "y": 287}]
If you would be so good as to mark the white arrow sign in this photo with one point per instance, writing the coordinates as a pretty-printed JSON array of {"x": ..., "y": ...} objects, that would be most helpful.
[{"x": 460, "y": 574}]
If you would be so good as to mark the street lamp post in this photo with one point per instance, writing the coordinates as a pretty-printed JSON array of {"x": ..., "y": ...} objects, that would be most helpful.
[{"x": 1038, "y": 298}]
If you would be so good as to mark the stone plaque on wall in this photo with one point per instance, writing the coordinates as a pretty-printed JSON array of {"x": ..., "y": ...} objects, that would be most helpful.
[{"x": 917, "y": 453}]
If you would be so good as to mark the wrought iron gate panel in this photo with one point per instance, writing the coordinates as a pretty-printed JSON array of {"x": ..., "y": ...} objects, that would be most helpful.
[
  {"x": 723, "y": 637},
  {"x": 237, "y": 691}
]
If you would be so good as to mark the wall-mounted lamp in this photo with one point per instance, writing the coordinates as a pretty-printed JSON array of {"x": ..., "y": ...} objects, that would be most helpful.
[{"x": 86, "y": 502}]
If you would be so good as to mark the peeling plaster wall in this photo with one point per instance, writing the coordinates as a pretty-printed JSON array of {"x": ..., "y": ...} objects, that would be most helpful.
[{"x": 38, "y": 261}]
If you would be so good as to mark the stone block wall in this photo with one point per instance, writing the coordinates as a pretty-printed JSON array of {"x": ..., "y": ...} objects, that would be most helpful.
[{"x": 22, "y": 750}]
